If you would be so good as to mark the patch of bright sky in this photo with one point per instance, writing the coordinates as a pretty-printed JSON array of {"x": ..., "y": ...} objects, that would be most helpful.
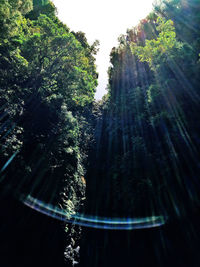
[{"x": 104, "y": 20}]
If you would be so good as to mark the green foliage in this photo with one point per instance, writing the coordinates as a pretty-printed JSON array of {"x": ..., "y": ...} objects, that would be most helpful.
[
  {"x": 44, "y": 7},
  {"x": 47, "y": 84},
  {"x": 47, "y": 81},
  {"x": 147, "y": 131},
  {"x": 164, "y": 45}
]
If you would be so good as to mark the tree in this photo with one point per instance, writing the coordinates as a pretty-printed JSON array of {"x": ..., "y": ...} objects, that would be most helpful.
[{"x": 47, "y": 84}]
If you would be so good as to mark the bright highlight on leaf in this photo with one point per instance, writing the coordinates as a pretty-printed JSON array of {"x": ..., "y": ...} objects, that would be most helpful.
[{"x": 163, "y": 45}]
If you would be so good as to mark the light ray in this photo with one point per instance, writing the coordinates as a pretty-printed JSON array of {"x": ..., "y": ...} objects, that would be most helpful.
[{"x": 93, "y": 221}]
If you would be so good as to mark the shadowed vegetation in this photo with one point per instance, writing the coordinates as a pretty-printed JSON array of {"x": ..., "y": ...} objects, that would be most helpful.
[{"x": 133, "y": 154}]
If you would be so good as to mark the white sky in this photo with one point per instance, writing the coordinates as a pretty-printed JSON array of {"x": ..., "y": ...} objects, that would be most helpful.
[{"x": 104, "y": 20}]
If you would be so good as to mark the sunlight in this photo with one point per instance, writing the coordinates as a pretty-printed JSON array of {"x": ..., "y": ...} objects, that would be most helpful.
[
  {"x": 105, "y": 21},
  {"x": 92, "y": 182}
]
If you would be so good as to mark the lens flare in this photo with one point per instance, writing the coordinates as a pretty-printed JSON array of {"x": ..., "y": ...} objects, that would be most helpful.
[
  {"x": 8, "y": 162},
  {"x": 93, "y": 221}
]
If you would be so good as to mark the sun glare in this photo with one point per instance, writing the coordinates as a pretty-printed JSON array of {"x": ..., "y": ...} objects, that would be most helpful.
[{"x": 105, "y": 21}]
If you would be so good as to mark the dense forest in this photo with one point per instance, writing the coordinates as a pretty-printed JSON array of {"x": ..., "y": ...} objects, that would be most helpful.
[{"x": 125, "y": 167}]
